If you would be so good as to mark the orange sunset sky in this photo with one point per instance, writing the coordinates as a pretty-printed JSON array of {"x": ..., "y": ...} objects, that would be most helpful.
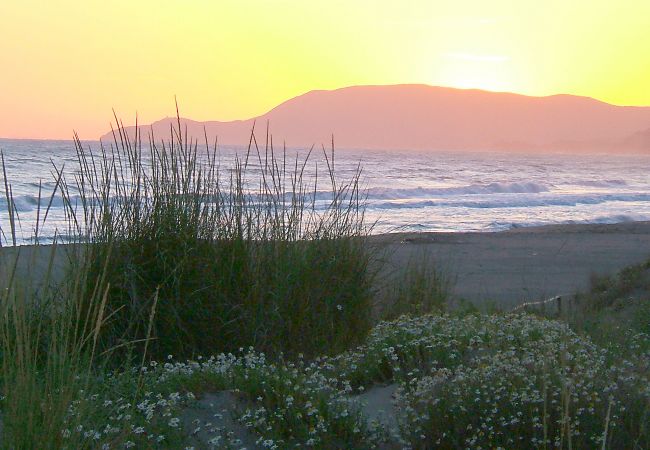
[{"x": 65, "y": 64}]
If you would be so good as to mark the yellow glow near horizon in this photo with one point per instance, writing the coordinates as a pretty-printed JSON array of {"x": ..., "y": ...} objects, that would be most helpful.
[{"x": 65, "y": 64}]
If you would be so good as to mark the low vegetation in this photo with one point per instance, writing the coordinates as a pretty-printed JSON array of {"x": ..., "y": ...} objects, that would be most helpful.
[{"x": 514, "y": 381}]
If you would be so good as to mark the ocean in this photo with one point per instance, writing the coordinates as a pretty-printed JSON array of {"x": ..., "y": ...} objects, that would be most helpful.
[{"x": 406, "y": 191}]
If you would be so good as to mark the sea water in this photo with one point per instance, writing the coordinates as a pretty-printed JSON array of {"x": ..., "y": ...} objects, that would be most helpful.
[{"x": 404, "y": 190}]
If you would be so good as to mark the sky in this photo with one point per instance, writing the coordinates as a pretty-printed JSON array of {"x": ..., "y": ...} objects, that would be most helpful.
[{"x": 64, "y": 65}]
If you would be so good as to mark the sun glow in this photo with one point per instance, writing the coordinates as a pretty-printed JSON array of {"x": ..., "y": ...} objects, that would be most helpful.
[{"x": 477, "y": 71}]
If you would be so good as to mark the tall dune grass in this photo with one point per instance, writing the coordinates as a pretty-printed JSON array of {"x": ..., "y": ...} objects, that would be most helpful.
[
  {"x": 236, "y": 257},
  {"x": 48, "y": 337}
]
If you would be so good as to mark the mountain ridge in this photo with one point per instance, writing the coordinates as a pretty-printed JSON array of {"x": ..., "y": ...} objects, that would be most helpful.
[{"x": 423, "y": 117}]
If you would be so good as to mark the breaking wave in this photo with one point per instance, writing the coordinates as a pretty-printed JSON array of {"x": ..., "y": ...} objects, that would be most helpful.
[{"x": 473, "y": 189}]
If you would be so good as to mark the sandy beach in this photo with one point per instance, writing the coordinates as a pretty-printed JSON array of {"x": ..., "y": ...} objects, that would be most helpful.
[
  {"x": 526, "y": 264},
  {"x": 500, "y": 269}
]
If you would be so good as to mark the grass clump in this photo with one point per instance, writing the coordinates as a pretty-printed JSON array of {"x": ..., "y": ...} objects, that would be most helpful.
[
  {"x": 419, "y": 288},
  {"x": 48, "y": 339},
  {"x": 253, "y": 255},
  {"x": 610, "y": 290},
  {"x": 47, "y": 356},
  {"x": 615, "y": 313}
]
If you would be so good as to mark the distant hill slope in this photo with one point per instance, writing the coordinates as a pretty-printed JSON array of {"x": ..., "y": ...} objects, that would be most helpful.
[{"x": 427, "y": 117}]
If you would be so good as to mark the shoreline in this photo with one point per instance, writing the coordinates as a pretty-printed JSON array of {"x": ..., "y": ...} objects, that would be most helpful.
[{"x": 489, "y": 269}]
